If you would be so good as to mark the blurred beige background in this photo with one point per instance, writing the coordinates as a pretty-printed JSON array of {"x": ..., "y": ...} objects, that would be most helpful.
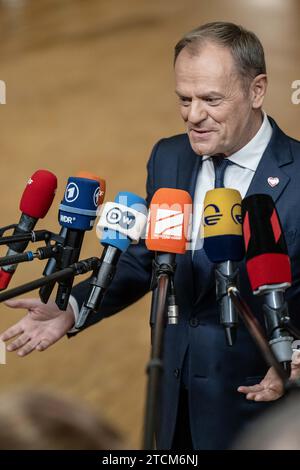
[{"x": 90, "y": 86}]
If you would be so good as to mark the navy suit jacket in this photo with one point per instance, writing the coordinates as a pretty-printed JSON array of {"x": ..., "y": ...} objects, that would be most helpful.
[{"x": 213, "y": 370}]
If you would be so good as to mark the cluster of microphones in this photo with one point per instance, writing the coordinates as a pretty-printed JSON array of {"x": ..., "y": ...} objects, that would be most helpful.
[{"x": 232, "y": 230}]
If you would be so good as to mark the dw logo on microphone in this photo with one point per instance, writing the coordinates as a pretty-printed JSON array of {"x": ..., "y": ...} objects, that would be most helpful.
[{"x": 116, "y": 216}]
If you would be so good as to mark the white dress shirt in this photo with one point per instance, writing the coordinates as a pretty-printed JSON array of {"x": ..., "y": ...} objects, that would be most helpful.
[{"x": 237, "y": 176}]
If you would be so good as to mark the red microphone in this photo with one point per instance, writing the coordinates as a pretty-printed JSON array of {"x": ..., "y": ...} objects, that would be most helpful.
[
  {"x": 35, "y": 203},
  {"x": 269, "y": 269}
]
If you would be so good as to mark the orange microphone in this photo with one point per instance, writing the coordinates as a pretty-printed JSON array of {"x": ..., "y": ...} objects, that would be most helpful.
[
  {"x": 92, "y": 176},
  {"x": 169, "y": 221},
  {"x": 167, "y": 234}
]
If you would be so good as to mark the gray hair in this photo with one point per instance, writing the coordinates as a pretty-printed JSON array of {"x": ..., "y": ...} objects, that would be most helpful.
[{"x": 246, "y": 49}]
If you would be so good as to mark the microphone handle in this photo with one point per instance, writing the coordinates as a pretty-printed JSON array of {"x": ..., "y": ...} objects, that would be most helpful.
[
  {"x": 99, "y": 283},
  {"x": 70, "y": 254},
  {"x": 50, "y": 268},
  {"x": 25, "y": 225},
  {"x": 227, "y": 276},
  {"x": 275, "y": 309}
]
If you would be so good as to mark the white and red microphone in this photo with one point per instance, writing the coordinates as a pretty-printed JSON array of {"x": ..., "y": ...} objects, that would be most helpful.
[
  {"x": 269, "y": 269},
  {"x": 35, "y": 203}
]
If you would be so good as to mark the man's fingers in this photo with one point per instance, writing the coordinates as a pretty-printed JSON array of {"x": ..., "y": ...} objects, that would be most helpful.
[
  {"x": 266, "y": 395},
  {"x": 18, "y": 343},
  {"x": 296, "y": 359},
  {"x": 22, "y": 303},
  {"x": 43, "y": 344},
  {"x": 11, "y": 332},
  {"x": 250, "y": 388},
  {"x": 28, "y": 348}
]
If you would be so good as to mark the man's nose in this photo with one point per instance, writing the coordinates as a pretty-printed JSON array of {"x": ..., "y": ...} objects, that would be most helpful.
[{"x": 197, "y": 112}]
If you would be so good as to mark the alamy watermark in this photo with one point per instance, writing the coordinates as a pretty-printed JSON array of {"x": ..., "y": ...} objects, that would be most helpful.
[
  {"x": 296, "y": 93},
  {"x": 2, "y": 92}
]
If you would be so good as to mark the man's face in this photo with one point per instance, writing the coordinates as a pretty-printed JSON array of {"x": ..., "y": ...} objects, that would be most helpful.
[{"x": 217, "y": 110}]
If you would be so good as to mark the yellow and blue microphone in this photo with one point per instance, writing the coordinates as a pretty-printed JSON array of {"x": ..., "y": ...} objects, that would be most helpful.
[
  {"x": 224, "y": 245},
  {"x": 222, "y": 225}
]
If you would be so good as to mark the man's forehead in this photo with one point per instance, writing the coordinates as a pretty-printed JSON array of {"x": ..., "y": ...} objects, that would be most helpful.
[{"x": 206, "y": 60}]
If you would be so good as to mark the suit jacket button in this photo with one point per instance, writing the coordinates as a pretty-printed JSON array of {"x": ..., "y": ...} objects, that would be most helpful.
[
  {"x": 176, "y": 373},
  {"x": 194, "y": 322}
]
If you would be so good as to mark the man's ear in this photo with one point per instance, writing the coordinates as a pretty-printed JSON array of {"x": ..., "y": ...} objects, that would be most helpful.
[{"x": 258, "y": 89}]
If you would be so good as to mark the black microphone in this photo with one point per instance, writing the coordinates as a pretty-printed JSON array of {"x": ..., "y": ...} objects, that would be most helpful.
[
  {"x": 77, "y": 213},
  {"x": 269, "y": 269},
  {"x": 50, "y": 267}
]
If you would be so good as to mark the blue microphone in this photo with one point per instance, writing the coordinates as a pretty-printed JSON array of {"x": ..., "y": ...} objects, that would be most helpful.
[
  {"x": 121, "y": 223},
  {"x": 78, "y": 208},
  {"x": 77, "y": 213}
]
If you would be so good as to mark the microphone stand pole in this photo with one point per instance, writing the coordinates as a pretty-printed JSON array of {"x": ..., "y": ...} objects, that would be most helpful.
[
  {"x": 81, "y": 267},
  {"x": 164, "y": 268},
  {"x": 34, "y": 236}
]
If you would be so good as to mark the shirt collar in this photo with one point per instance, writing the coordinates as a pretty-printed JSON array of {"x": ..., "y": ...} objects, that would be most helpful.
[{"x": 249, "y": 156}]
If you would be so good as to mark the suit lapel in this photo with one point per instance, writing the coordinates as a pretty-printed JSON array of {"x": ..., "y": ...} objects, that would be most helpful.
[
  {"x": 269, "y": 177},
  {"x": 187, "y": 171}
]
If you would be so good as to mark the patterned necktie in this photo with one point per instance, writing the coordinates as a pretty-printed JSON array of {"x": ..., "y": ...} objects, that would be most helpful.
[{"x": 220, "y": 164}]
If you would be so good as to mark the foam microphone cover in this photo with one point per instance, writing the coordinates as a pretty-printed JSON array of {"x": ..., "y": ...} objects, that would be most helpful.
[
  {"x": 267, "y": 257},
  {"x": 102, "y": 183},
  {"x": 222, "y": 225},
  {"x": 121, "y": 220},
  {"x": 38, "y": 194},
  {"x": 169, "y": 221},
  {"x": 78, "y": 208}
]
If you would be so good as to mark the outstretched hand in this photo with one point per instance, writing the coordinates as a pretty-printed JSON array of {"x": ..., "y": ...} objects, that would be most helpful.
[
  {"x": 271, "y": 387},
  {"x": 42, "y": 326}
]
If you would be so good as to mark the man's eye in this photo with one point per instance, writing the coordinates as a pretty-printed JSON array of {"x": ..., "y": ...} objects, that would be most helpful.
[
  {"x": 185, "y": 101},
  {"x": 213, "y": 101}
]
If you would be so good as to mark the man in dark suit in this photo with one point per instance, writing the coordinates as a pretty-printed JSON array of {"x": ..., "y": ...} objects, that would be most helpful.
[{"x": 209, "y": 390}]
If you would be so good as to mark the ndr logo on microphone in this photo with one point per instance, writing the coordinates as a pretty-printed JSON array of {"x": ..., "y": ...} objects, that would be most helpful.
[
  {"x": 124, "y": 218},
  {"x": 213, "y": 214}
]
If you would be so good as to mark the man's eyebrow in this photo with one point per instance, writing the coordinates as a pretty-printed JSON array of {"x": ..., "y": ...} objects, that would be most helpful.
[
  {"x": 209, "y": 94},
  {"x": 181, "y": 95}
]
